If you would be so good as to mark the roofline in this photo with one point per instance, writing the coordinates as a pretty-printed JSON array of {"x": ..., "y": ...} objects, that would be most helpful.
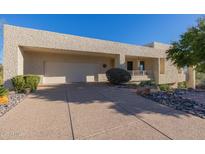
[{"x": 58, "y": 33}]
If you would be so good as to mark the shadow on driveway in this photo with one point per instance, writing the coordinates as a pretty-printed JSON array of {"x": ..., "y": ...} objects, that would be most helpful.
[{"x": 123, "y": 100}]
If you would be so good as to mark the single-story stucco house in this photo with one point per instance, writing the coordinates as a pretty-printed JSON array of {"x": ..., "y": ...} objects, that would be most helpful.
[{"x": 61, "y": 58}]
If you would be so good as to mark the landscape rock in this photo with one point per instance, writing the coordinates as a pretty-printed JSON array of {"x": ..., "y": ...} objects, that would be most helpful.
[
  {"x": 143, "y": 91},
  {"x": 177, "y": 100},
  {"x": 14, "y": 99}
]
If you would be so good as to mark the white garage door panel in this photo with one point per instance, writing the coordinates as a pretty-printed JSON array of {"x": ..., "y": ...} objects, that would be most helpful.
[{"x": 56, "y": 72}]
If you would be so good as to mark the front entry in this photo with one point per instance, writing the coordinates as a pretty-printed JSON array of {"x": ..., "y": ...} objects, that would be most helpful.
[{"x": 142, "y": 66}]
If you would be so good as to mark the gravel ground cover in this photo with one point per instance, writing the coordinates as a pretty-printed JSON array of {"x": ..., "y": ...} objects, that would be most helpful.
[
  {"x": 197, "y": 95},
  {"x": 14, "y": 99},
  {"x": 182, "y": 100}
]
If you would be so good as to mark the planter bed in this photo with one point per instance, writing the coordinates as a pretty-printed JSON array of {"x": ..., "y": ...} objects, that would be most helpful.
[
  {"x": 14, "y": 99},
  {"x": 178, "y": 100}
]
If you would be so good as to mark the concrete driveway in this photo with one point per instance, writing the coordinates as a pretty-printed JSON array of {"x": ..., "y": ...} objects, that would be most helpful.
[{"x": 96, "y": 111}]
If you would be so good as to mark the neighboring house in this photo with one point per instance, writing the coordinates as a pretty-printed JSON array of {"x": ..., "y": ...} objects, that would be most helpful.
[{"x": 62, "y": 58}]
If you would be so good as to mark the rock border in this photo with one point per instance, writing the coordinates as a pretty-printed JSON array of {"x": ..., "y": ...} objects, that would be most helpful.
[
  {"x": 176, "y": 101},
  {"x": 14, "y": 99}
]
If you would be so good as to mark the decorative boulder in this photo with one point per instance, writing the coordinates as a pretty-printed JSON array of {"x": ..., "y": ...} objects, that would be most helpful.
[
  {"x": 154, "y": 90},
  {"x": 118, "y": 76},
  {"x": 143, "y": 91}
]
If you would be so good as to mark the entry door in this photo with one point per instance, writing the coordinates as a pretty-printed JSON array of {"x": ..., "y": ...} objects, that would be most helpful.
[
  {"x": 142, "y": 66},
  {"x": 129, "y": 65}
]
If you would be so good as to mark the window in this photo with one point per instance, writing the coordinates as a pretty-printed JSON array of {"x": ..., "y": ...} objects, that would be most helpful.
[
  {"x": 129, "y": 65},
  {"x": 162, "y": 65}
]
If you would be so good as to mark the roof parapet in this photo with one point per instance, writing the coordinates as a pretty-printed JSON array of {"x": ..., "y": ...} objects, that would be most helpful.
[{"x": 158, "y": 45}]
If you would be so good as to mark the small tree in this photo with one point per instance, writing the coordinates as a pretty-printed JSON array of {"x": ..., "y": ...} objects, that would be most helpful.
[{"x": 190, "y": 49}]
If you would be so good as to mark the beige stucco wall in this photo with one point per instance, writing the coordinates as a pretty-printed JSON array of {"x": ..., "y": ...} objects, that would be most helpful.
[
  {"x": 171, "y": 74},
  {"x": 16, "y": 63},
  {"x": 158, "y": 45},
  {"x": 191, "y": 77}
]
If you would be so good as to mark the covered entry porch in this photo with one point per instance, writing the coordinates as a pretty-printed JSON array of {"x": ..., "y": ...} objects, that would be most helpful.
[{"x": 142, "y": 68}]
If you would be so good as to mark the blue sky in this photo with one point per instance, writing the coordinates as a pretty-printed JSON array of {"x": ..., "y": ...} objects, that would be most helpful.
[{"x": 132, "y": 29}]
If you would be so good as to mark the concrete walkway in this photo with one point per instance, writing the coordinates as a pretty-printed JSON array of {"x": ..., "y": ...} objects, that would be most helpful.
[{"x": 95, "y": 111}]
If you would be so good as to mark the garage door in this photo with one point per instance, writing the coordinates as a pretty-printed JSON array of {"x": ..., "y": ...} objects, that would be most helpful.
[{"x": 57, "y": 72}]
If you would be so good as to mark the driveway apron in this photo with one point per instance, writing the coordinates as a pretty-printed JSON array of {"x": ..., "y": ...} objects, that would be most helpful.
[
  {"x": 95, "y": 116},
  {"x": 42, "y": 115}
]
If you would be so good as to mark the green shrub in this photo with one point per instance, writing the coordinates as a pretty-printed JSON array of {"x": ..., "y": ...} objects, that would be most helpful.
[
  {"x": 18, "y": 83},
  {"x": 164, "y": 87},
  {"x": 3, "y": 91},
  {"x": 182, "y": 85},
  {"x": 31, "y": 81},
  {"x": 118, "y": 76},
  {"x": 147, "y": 83}
]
